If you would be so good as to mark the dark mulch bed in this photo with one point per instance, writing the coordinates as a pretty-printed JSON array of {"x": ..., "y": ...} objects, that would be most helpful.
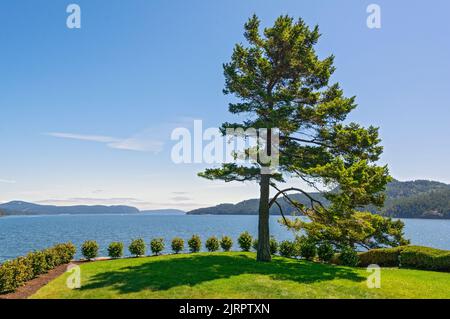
[{"x": 34, "y": 285}]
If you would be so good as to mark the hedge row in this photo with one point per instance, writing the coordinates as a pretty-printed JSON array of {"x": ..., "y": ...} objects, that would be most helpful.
[
  {"x": 425, "y": 258},
  {"x": 418, "y": 257},
  {"x": 384, "y": 257},
  {"x": 15, "y": 273},
  {"x": 303, "y": 247},
  {"x": 90, "y": 248}
]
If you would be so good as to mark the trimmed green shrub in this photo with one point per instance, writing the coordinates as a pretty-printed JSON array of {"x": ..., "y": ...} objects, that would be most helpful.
[
  {"x": 226, "y": 243},
  {"x": 38, "y": 263},
  {"x": 15, "y": 273},
  {"x": 177, "y": 244},
  {"x": 59, "y": 255},
  {"x": 383, "y": 257},
  {"x": 255, "y": 244},
  {"x": 348, "y": 257},
  {"x": 287, "y": 248},
  {"x": 157, "y": 245},
  {"x": 195, "y": 243},
  {"x": 137, "y": 247},
  {"x": 245, "y": 241},
  {"x": 64, "y": 252},
  {"x": 325, "y": 252},
  {"x": 273, "y": 245},
  {"x": 23, "y": 270},
  {"x": 58, "y": 258},
  {"x": 115, "y": 250},
  {"x": 307, "y": 249},
  {"x": 89, "y": 249},
  {"x": 296, "y": 246},
  {"x": 425, "y": 258},
  {"x": 212, "y": 244},
  {"x": 50, "y": 258},
  {"x": 8, "y": 282}
]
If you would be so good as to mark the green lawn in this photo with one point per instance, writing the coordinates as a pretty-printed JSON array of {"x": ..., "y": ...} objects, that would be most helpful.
[{"x": 238, "y": 275}]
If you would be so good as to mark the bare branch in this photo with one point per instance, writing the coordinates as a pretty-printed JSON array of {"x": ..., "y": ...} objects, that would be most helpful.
[
  {"x": 294, "y": 204},
  {"x": 281, "y": 212},
  {"x": 311, "y": 184},
  {"x": 312, "y": 200},
  {"x": 313, "y": 141}
]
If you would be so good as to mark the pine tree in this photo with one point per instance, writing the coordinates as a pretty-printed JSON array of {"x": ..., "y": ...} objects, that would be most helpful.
[{"x": 281, "y": 84}]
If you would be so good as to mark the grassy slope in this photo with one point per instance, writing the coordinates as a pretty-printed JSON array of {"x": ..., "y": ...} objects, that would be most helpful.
[{"x": 237, "y": 275}]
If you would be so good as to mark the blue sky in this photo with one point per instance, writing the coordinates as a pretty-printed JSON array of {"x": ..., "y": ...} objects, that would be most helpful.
[{"x": 86, "y": 114}]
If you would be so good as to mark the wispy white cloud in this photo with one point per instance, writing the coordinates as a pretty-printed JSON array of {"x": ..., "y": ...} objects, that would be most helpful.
[
  {"x": 142, "y": 142},
  {"x": 84, "y": 137},
  {"x": 149, "y": 140},
  {"x": 181, "y": 198},
  {"x": 138, "y": 143},
  {"x": 7, "y": 181}
]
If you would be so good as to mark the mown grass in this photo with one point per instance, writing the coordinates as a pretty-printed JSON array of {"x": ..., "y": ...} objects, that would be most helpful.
[{"x": 238, "y": 275}]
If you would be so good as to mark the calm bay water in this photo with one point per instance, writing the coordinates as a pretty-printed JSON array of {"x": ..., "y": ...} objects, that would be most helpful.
[{"x": 21, "y": 234}]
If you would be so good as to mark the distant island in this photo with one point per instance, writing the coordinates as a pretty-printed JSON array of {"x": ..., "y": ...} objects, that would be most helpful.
[
  {"x": 20, "y": 208},
  {"x": 412, "y": 199}
]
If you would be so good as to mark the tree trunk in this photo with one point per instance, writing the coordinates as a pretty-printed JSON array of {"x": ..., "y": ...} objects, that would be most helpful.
[{"x": 263, "y": 253}]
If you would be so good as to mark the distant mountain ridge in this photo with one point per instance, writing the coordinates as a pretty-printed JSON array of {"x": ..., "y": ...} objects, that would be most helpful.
[
  {"x": 411, "y": 199},
  {"x": 24, "y": 208}
]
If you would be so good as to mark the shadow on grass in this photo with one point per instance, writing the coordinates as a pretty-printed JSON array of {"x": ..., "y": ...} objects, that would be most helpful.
[{"x": 194, "y": 269}]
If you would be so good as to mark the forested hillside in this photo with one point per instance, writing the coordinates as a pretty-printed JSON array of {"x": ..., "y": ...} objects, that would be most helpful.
[
  {"x": 434, "y": 204},
  {"x": 413, "y": 199}
]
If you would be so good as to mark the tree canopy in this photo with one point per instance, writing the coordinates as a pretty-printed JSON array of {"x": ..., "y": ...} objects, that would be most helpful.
[{"x": 281, "y": 83}]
